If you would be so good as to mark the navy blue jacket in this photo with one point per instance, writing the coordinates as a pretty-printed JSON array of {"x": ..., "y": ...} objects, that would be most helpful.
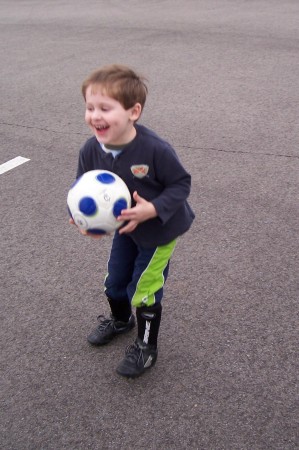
[{"x": 150, "y": 166}]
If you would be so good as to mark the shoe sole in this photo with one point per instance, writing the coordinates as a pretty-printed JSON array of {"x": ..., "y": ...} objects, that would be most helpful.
[{"x": 136, "y": 375}]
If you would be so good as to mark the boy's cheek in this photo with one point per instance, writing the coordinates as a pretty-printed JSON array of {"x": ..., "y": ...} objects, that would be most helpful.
[{"x": 87, "y": 117}]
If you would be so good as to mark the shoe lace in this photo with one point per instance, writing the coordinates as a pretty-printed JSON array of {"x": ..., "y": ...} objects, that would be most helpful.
[
  {"x": 105, "y": 323},
  {"x": 134, "y": 352}
]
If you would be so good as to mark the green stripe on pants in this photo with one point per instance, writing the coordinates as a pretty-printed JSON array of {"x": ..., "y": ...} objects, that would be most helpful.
[{"x": 152, "y": 279}]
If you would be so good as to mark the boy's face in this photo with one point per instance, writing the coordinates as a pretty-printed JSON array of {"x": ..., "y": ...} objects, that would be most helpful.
[{"x": 107, "y": 118}]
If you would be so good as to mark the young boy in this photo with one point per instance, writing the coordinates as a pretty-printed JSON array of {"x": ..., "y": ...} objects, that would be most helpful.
[{"x": 141, "y": 249}]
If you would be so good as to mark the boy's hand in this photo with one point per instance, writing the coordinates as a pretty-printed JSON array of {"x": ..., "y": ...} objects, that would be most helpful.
[
  {"x": 142, "y": 211},
  {"x": 85, "y": 233}
]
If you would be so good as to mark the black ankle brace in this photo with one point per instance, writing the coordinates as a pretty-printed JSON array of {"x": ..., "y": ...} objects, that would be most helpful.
[{"x": 148, "y": 319}]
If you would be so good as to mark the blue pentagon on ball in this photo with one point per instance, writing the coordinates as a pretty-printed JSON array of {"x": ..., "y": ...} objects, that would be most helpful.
[
  {"x": 88, "y": 206},
  {"x": 118, "y": 206},
  {"x": 106, "y": 178}
]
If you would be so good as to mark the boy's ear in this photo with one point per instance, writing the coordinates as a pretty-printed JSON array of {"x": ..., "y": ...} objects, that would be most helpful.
[{"x": 136, "y": 112}]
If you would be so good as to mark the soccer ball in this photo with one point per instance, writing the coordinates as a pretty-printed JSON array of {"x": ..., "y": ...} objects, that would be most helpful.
[{"x": 96, "y": 199}]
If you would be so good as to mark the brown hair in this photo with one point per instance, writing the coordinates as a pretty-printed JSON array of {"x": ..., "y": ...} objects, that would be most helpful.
[{"x": 119, "y": 82}]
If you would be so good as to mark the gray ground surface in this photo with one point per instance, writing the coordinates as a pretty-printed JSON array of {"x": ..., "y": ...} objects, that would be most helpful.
[{"x": 224, "y": 91}]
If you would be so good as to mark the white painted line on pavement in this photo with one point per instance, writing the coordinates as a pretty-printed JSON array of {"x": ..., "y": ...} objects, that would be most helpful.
[{"x": 11, "y": 164}]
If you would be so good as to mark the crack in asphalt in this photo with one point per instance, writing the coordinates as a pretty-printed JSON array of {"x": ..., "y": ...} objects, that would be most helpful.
[
  {"x": 182, "y": 146},
  {"x": 239, "y": 151},
  {"x": 41, "y": 129}
]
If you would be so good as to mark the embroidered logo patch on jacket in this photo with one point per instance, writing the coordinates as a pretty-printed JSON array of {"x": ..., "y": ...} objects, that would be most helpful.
[{"x": 140, "y": 170}]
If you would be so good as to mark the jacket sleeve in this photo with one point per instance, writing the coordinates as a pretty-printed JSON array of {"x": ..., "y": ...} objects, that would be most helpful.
[
  {"x": 81, "y": 169},
  {"x": 176, "y": 181}
]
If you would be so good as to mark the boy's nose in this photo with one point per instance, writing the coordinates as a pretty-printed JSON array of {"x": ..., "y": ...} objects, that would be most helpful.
[{"x": 96, "y": 114}]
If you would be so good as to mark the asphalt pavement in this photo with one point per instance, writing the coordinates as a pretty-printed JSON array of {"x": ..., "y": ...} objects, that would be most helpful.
[{"x": 224, "y": 91}]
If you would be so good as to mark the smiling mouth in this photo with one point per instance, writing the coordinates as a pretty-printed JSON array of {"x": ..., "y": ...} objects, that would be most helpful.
[{"x": 101, "y": 127}]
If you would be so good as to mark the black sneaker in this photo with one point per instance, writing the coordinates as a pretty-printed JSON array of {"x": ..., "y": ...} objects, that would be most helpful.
[
  {"x": 108, "y": 328},
  {"x": 139, "y": 357}
]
